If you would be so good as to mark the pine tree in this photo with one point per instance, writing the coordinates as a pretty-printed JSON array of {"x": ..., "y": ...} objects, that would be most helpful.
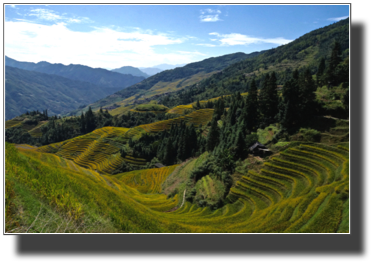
[
  {"x": 82, "y": 124},
  {"x": 213, "y": 135},
  {"x": 320, "y": 72},
  {"x": 268, "y": 101},
  {"x": 240, "y": 146},
  {"x": 90, "y": 120},
  {"x": 250, "y": 111},
  {"x": 288, "y": 107},
  {"x": 306, "y": 97},
  {"x": 273, "y": 97},
  {"x": 334, "y": 61}
]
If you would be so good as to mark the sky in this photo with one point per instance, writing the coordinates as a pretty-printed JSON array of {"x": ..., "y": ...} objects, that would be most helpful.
[{"x": 113, "y": 36}]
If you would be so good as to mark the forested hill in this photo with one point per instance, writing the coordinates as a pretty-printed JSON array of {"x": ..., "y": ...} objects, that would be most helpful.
[
  {"x": 97, "y": 76},
  {"x": 304, "y": 52},
  {"x": 29, "y": 90},
  {"x": 172, "y": 80},
  {"x": 206, "y": 66}
]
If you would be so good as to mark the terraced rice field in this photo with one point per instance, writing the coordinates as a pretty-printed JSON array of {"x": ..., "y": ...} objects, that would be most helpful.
[
  {"x": 147, "y": 111},
  {"x": 36, "y": 131},
  {"x": 146, "y": 181},
  {"x": 305, "y": 189},
  {"x": 96, "y": 150},
  {"x": 12, "y": 123},
  {"x": 202, "y": 116},
  {"x": 180, "y": 109}
]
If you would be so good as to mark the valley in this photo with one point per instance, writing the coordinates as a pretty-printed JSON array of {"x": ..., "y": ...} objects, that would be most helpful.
[{"x": 240, "y": 143}]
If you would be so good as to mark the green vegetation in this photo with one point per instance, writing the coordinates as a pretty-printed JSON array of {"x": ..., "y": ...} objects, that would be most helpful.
[
  {"x": 112, "y": 179},
  {"x": 152, "y": 106}
]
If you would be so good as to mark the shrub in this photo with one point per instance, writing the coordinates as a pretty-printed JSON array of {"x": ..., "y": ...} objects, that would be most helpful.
[
  {"x": 173, "y": 193},
  {"x": 29, "y": 121},
  {"x": 310, "y": 135}
]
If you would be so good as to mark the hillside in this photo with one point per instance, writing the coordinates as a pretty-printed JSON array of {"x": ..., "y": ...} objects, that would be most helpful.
[
  {"x": 245, "y": 144},
  {"x": 301, "y": 53},
  {"x": 131, "y": 71},
  {"x": 29, "y": 90},
  {"x": 97, "y": 76},
  {"x": 305, "y": 190},
  {"x": 173, "y": 80}
]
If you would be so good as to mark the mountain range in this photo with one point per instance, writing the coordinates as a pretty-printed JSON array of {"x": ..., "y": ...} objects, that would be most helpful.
[
  {"x": 30, "y": 90},
  {"x": 97, "y": 76}
]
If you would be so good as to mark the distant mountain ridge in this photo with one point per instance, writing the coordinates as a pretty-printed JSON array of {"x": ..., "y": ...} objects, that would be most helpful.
[
  {"x": 29, "y": 90},
  {"x": 151, "y": 71},
  {"x": 176, "y": 79},
  {"x": 159, "y": 68},
  {"x": 165, "y": 66},
  {"x": 97, "y": 76},
  {"x": 131, "y": 71}
]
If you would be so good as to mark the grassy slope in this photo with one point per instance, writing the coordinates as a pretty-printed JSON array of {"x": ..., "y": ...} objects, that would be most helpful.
[
  {"x": 100, "y": 149},
  {"x": 303, "y": 190}
]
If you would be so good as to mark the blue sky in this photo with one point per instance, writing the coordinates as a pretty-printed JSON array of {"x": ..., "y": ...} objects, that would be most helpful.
[{"x": 112, "y": 36}]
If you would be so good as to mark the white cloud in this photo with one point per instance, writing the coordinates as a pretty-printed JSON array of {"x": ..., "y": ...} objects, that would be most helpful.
[
  {"x": 240, "y": 39},
  {"x": 45, "y": 14},
  {"x": 210, "y": 18},
  {"x": 49, "y": 15},
  {"x": 12, "y": 6},
  {"x": 102, "y": 47},
  {"x": 337, "y": 18},
  {"x": 210, "y": 15},
  {"x": 207, "y": 45}
]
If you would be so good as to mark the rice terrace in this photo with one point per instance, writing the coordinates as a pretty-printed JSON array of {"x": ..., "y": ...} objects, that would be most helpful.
[{"x": 203, "y": 129}]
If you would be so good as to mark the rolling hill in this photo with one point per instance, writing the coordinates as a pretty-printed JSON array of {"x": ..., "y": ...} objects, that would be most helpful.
[
  {"x": 303, "y": 52},
  {"x": 173, "y": 80},
  {"x": 97, "y": 76},
  {"x": 30, "y": 90}
]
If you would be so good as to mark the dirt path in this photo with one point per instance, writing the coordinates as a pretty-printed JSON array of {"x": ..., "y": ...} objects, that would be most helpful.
[
  {"x": 23, "y": 146},
  {"x": 183, "y": 200},
  {"x": 327, "y": 116}
]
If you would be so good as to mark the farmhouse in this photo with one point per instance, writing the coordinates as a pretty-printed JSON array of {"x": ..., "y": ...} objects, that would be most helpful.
[{"x": 258, "y": 149}]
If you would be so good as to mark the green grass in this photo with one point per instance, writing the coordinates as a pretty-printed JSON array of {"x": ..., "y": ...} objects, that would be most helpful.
[
  {"x": 267, "y": 134},
  {"x": 304, "y": 189}
]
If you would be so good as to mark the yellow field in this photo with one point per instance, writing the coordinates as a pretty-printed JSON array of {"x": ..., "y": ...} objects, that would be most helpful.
[
  {"x": 96, "y": 150},
  {"x": 306, "y": 189},
  {"x": 146, "y": 181},
  {"x": 202, "y": 116}
]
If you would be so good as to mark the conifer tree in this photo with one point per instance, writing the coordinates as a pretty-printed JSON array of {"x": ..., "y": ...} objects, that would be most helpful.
[
  {"x": 288, "y": 115},
  {"x": 334, "y": 61},
  {"x": 213, "y": 136},
  {"x": 90, "y": 120},
  {"x": 82, "y": 124},
  {"x": 240, "y": 146},
  {"x": 250, "y": 114},
  {"x": 320, "y": 72},
  {"x": 268, "y": 101}
]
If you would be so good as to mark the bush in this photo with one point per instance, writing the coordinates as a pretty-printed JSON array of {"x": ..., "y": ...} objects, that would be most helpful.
[
  {"x": 310, "y": 135},
  {"x": 29, "y": 121},
  {"x": 173, "y": 193}
]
